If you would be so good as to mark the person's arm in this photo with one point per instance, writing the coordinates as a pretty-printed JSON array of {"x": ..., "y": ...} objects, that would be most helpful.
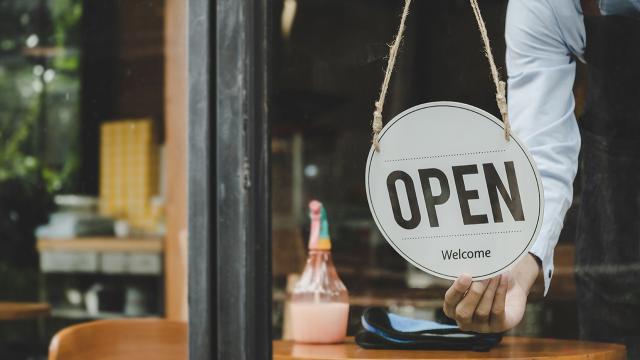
[
  {"x": 541, "y": 105},
  {"x": 541, "y": 74}
]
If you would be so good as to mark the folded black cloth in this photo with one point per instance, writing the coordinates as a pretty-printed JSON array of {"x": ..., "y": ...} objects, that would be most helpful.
[{"x": 384, "y": 330}]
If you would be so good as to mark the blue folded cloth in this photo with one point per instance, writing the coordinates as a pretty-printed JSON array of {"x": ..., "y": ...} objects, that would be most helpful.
[{"x": 384, "y": 330}]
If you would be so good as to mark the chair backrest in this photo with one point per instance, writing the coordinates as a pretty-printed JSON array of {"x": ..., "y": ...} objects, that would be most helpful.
[{"x": 128, "y": 339}]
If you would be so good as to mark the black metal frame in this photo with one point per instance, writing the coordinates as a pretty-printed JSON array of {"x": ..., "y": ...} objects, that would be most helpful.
[{"x": 229, "y": 187}]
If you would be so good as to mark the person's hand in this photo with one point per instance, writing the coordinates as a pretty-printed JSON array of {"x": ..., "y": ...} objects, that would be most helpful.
[{"x": 492, "y": 305}]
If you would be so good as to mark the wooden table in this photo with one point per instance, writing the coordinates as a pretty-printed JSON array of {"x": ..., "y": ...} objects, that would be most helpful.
[
  {"x": 510, "y": 348},
  {"x": 23, "y": 310}
]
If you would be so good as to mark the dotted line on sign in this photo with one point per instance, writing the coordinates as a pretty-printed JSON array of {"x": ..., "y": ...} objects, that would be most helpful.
[
  {"x": 459, "y": 235},
  {"x": 446, "y": 155}
]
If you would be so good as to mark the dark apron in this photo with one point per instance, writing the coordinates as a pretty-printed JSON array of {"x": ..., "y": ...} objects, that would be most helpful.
[{"x": 608, "y": 230}]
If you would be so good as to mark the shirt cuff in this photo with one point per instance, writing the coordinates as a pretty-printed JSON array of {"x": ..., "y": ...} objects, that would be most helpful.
[{"x": 543, "y": 249}]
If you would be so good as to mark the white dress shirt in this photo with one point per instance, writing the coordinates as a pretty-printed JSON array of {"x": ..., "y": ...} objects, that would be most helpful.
[{"x": 544, "y": 37}]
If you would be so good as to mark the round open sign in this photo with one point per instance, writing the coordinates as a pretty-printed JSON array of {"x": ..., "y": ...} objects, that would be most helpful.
[{"x": 450, "y": 194}]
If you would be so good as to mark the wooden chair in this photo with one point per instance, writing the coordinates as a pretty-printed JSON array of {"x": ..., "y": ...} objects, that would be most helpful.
[{"x": 129, "y": 339}]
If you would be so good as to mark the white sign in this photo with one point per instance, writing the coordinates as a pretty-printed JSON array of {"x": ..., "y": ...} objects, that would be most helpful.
[{"x": 450, "y": 194}]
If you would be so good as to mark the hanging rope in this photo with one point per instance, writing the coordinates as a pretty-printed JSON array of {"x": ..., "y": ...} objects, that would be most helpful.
[
  {"x": 501, "y": 87},
  {"x": 393, "y": 53}
]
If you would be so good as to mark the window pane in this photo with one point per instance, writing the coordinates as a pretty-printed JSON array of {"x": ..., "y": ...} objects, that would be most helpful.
[
  {"x": 330, "y": 61},
  {"x": 329, "y": 72},
  {"x": 92, "y": 166}
]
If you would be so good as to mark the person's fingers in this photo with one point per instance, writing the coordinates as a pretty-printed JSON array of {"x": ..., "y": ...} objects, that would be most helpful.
[
  {"x": 497, "y": 316},
  {"x": 483, "y": 311},
  {"x": 455, "y": 293},
  {"x": 467, "y": 306}
]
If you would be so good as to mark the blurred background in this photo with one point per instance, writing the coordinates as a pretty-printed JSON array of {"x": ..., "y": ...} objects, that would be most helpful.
[
  {"x": 92, "y": 122},
  {"x": 329, "y": 63}
]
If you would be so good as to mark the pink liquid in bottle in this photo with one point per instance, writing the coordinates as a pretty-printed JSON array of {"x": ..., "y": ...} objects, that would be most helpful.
[{"x": 319, "y": 301}]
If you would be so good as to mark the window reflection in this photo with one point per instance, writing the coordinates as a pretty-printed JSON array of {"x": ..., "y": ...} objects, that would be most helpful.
[{"x": 330, "y": 57}]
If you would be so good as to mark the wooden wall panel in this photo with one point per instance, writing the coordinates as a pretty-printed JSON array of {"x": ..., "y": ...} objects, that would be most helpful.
[{"x": 175, "y": 100}]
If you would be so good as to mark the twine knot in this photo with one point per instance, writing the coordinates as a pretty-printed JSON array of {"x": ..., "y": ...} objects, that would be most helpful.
[
  {"x": 377, "y": 118},
  {"x": 377, "y": 127},
  {"x": 501, "y": 87},
  {"x": 501, "y": 99}
]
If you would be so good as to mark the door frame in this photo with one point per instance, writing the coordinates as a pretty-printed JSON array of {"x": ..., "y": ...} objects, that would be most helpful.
[{"x": 229, "y": 180}]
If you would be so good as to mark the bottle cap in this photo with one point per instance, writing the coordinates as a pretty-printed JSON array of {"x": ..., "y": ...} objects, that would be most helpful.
[{"x": 319, "y": 235}]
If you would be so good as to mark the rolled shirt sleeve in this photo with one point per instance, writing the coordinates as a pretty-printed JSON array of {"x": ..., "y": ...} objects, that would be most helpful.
[{"x": 541, "y": 39}]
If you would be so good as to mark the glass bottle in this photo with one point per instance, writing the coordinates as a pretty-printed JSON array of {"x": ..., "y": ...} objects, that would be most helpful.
[{"x": 319, "y": 300}]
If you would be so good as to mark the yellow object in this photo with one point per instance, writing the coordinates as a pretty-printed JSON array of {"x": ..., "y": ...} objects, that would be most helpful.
[
  {"x": 323, "y": 244},
  {"x": 128, "y": 171}
]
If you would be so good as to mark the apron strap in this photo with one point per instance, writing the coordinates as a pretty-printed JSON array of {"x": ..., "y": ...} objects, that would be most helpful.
[{"x": 590, "y": 7}]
